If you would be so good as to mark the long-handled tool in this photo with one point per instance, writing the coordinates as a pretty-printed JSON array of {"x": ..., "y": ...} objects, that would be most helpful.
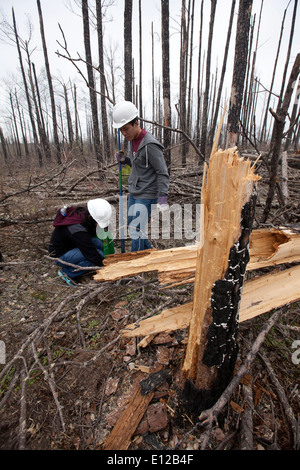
[{"x": 121, "y": 199}]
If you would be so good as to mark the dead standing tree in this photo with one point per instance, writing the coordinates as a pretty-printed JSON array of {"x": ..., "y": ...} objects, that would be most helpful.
[
  {"x": 228, "y": 202},
  {"x": 239, "y": 71},
  {"x": 207, "y": 80},
  {"x": 26, "y": 87},
  {"x": 106, "y": 143},
  {"x": 279, "y": 125},
  {"x": 49, "y": 78},
  {"x": 128, "y": 49},
  {"x": 91, "y": 81},
  {"x": 166, "y": 77}
]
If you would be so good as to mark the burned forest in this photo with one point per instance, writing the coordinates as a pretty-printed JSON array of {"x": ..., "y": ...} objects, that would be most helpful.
[{"x": 192, "y": 344}]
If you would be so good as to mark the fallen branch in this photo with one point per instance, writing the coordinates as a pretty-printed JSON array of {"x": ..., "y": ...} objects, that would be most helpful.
[
  {"x": 120, "y": 437},
  {"x": 284, "y": 401}
]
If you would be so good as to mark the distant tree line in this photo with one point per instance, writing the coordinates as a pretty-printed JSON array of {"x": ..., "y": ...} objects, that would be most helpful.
[{"x": 45, "y": 119}]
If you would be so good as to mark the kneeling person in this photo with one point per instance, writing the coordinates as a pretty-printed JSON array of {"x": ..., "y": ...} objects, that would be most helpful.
[{"x": 74, "y": 238}]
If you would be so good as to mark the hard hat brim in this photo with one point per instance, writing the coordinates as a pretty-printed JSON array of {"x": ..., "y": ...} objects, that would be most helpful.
[{"x": 103, "y": 223}]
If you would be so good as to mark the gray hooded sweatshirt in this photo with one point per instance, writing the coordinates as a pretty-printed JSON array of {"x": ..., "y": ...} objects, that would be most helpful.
[{"x": 149, "y": 177}]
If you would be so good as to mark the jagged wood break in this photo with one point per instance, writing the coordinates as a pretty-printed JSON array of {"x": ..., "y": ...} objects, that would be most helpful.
[{"x": 228, "y": 200}]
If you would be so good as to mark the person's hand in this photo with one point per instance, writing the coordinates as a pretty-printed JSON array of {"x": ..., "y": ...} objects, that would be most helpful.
[
  {"x": 120, "y": 157},
  {"x": 162, "y": 203}
]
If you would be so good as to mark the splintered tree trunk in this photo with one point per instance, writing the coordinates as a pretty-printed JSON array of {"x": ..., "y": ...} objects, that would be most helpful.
[{"x": 228, "y": 202}]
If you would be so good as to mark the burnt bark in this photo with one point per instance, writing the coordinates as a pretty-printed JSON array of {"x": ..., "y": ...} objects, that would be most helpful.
[{"x": 221, "y": 348}]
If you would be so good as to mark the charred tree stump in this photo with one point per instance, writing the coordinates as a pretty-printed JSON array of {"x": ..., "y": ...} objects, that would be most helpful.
[{"x": 228, "y": 204}]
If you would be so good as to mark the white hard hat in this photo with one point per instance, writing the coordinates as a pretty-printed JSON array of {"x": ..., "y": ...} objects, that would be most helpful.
[
  {"x": 123, "y": 113},
  {"x": 100, "y": 210}
]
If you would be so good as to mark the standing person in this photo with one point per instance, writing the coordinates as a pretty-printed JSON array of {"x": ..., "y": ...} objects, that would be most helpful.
[
  {"x": 148, "y": 183},
  {"x": 74, "y": 238}
]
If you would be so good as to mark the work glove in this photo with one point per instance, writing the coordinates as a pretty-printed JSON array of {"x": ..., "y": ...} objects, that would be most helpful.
[
  {"x": 162, "y": 203},
  {"x": 120, "y": 157}
]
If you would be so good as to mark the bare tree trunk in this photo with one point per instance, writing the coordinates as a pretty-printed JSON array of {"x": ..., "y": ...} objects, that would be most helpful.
[
  {"x": 264, "y": 125},
  {"x": 106, "y": 143},
  {"x": 35, "y": 136},
  {"x": 153, "y": 84},
  {"x": 293, "y": 121},
  {"x": 19, "y": 152},
  {"x": 199, "y": 77},
  {"x": 189, "y": 112},
  {"x": 166, "y": 78},
  {"x": 247, "y": 85},
  {"x": 250, "y": 98},
  {"x": 49, "y": 78},
  {"x": 141, "y": 61},
  {"x": 23, "y": 130},
  {"x": 240, "y": 66},
  {"x": 289, "y": 49},
  {"x": 183, "y": 80},
  {"x": 39, "y": 112},
  {"x": 207, "y": 84},
  {"x": 218, "y": 100},
  {"x": 280, "y": 117},
  {"x": 4, "y": 146},
  {"x": 128, "y": 49},
  {"x": 69, "y": 120},
  {"x": 91, "y": 81}
]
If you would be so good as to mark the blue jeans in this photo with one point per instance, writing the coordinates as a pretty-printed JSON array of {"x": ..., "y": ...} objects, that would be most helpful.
[
  {"x": 75, "y": 256},
  {"x": 138, "y": 213}
]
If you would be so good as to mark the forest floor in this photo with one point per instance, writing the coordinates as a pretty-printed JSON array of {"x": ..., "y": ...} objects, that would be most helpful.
[{"x": 68, "y": 374}]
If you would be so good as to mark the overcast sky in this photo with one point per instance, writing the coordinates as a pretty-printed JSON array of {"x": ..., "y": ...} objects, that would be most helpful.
[{"x": 58, "y": 11}]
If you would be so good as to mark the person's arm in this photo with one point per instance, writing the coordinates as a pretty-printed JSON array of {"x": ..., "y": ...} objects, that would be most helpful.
[
  {"x": 83, "y": 241},
  {"x": 158, "y": 163}
]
